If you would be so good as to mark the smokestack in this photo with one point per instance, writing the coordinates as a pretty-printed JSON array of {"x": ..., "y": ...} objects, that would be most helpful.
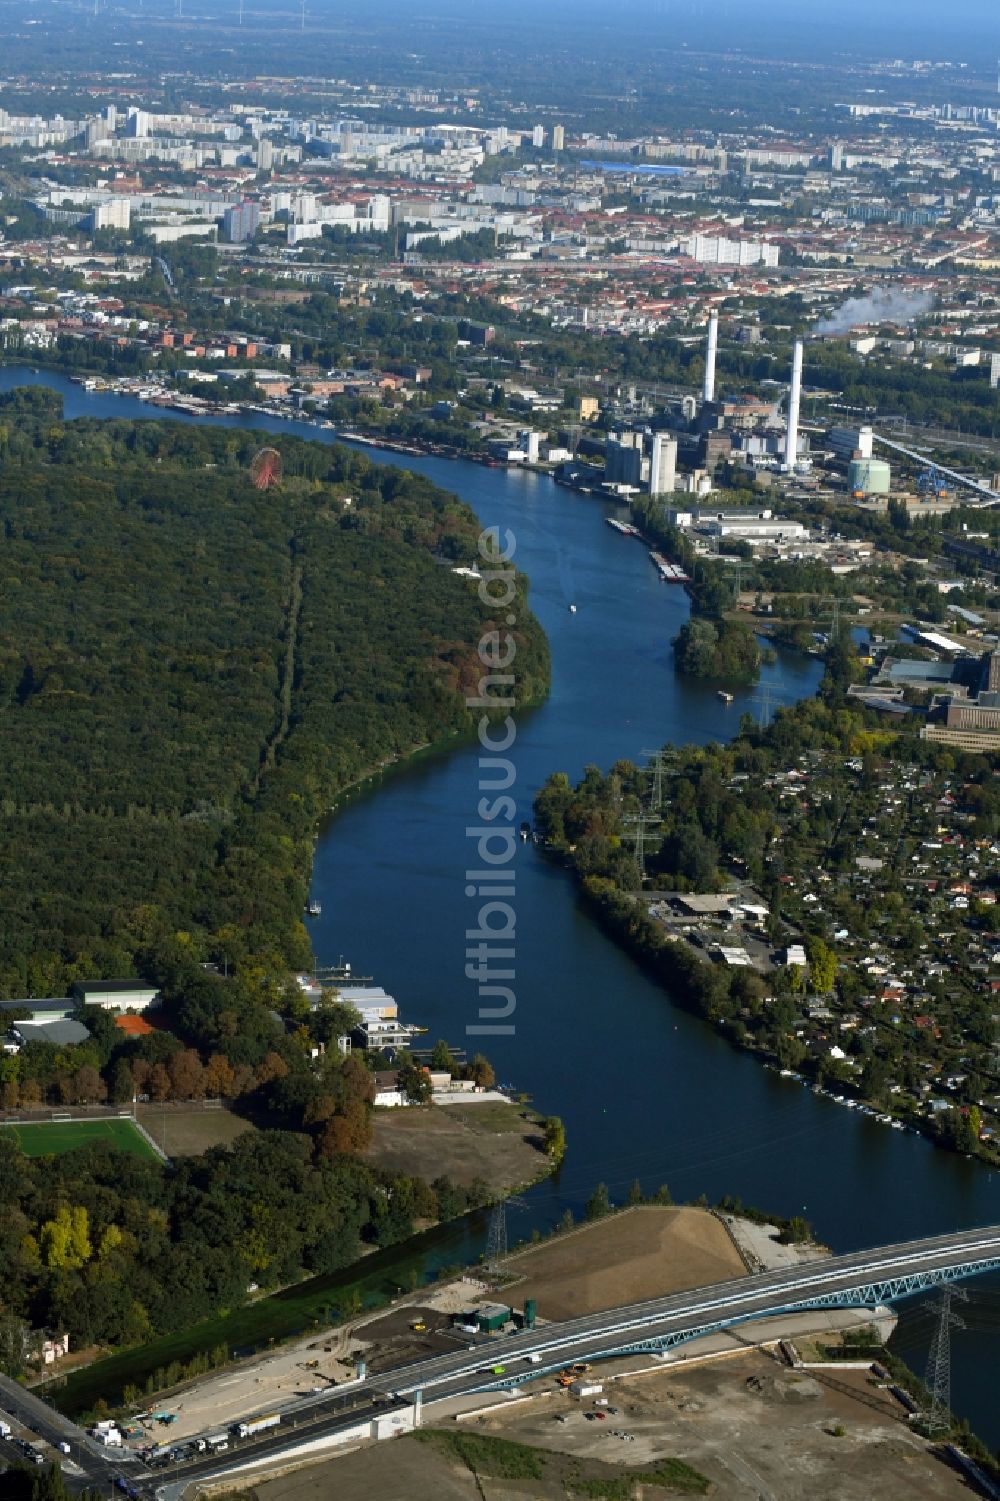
[
  {"x": 708, "y": 393},
  {"x": 794, "y": 395}
]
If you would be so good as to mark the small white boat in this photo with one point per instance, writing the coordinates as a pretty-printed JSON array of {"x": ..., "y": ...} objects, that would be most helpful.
[
  {"x": 572, "y": 609},
  {"x": 314, "y": 909},
  {"x": 727, "y": 698}
]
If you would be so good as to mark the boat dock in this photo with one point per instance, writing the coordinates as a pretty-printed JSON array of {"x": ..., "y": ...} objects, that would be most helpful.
[{"x": 670, "y": 573}]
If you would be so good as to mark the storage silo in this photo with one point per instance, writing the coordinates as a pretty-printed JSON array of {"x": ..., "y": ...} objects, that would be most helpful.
[{"x": 868, "y": 477}]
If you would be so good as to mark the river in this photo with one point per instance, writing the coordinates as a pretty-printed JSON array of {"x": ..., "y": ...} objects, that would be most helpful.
[{"x": 645, "y": 1090}]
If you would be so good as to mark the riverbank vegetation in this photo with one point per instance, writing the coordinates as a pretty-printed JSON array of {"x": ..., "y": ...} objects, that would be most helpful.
[
  {"x": 851, "y": 931},
  {"x": 722, "y": 651},
  {"x": 191, "y": 670}
]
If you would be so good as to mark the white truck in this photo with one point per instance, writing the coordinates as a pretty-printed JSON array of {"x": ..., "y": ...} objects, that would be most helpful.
[
  {"x": 4, "y": 1429},
  {"x": 108, "y": 1434},
  {"x": 256, "y": 1425}
]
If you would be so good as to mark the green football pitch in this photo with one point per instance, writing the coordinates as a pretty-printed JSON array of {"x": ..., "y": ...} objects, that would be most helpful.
[{"x": 39, "y": 1139}]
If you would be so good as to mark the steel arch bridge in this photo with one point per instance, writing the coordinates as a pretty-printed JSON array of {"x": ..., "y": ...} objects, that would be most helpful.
[{"x": 865, "y": 1293}]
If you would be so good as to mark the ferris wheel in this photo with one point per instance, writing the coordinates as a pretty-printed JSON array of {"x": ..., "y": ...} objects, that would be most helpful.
[{"x": 265, "y": 469}]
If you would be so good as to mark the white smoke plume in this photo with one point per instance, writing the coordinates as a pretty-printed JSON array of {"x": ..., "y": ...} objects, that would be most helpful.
[{"x": 881, "y": 306}]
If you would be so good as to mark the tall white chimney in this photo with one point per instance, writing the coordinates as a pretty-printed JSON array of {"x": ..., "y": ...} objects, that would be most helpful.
[
  {"x": 794, "y": 396},
  {"x": 708, "y": 393}
]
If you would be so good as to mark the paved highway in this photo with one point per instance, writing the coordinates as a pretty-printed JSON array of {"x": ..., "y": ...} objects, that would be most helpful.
[
  {"x": 28, "y": 1410},
  {"x": 604, "y": 1334},
  {"x": 882, "y": 1275},
  {"x": 888, "y": 1271}
]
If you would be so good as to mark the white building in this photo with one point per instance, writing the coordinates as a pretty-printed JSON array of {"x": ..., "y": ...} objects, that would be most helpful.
[
  {"x": 762, "y": 528},
  {"x": 116, "y": 995},
  {"x": 113, "y": 213},
  {"x": 847, "y": 441},
  {"x": 719, "y": 250},
  {"x": 663, "y": 465}
]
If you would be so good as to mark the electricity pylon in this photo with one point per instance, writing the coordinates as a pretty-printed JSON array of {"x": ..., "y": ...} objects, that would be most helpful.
[
  {"x": 640, "y": 822},
  {"x": 938, "y": 1377},
  {"x": 657, "y": 762},
  {"x": 496, "y": 1262}
]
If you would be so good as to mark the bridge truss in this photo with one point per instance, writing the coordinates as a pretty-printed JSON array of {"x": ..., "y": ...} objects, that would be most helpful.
[{"x": 869, "y": 1294}]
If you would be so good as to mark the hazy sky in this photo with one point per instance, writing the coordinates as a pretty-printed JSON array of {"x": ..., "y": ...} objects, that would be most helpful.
[{"x": 963, "y": 29}]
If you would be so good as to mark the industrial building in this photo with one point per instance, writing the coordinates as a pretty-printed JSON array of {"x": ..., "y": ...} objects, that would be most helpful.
[
  {"x": 749, "y": 526},
  {"x": 867, "y": 477},
  {"x": 663, "y": 465},
  {"x": 851, "y": 442},
  {"x": 627, "y": 465},
  {"x": 623, "y": 459}
]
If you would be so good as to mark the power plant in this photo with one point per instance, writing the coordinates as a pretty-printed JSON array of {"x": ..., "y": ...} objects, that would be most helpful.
[
  {"x": 794, "y": 398},
  {"x": 708, "y": 390}
]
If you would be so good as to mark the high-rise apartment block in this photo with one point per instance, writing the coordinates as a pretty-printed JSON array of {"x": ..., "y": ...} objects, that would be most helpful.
[{"x": 240, "y": 222}]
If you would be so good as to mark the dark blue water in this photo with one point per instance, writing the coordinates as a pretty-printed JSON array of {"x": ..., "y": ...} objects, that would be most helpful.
[{"x": 645, "y": 1090}]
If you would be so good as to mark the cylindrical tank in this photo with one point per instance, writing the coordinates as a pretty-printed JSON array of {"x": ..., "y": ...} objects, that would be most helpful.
[
  {"x": 530, "y": 1313},
  {"x": 868, "y": 477}
]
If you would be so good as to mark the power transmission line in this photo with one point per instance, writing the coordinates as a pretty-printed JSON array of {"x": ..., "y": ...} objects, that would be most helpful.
[
  {"x": 938, "y": 1377},
  {"x": 657, "y": 762},
  {"x": 496, "y": 1242},
  {"x": 497, "y": 1250},
  {"x": 640, "y": 822}
]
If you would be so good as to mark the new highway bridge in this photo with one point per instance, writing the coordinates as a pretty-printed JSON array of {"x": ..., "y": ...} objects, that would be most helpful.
[{"x": 860, "y": 1278}]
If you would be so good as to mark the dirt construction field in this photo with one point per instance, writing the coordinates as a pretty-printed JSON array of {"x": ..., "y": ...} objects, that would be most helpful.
[
  {"x": 756, "y": 1430},
  {"x": 642, "y": 1253},
  {"x": 497, "y": 1142}
]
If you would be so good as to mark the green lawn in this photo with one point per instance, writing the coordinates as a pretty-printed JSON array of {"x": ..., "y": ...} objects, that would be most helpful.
[{"x": 39, "y": 1139}]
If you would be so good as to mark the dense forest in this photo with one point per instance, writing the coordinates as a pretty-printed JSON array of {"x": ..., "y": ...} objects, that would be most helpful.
[
  {"x": 191, "y": 670},
  {"x": 117, "y": 1250}
]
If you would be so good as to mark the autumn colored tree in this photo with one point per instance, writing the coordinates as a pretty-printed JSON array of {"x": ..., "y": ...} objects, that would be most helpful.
[
  {"x": 481, "y": 1070},
  {"x": 219, "y": 1078},
  {"x": 89, "y": 1087},
  {"x": 187, "y": 1075},
  {"x": 347, "y": 1132},
  {"x": 158, "y": 1084},
  {"x": 272, "y": 1067}
]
